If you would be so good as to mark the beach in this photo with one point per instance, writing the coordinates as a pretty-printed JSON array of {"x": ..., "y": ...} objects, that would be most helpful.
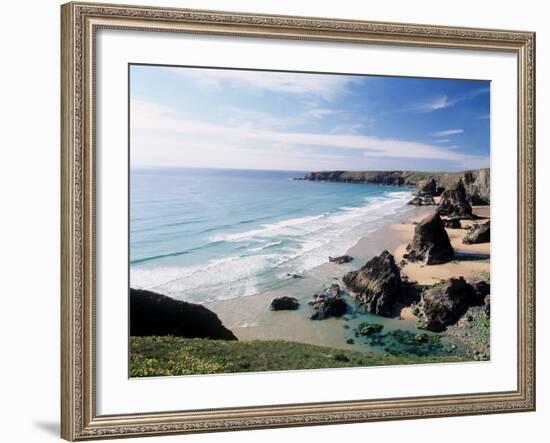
[
  {"x": 251, "y": 319},
  {"x": 236, "y": 255}
]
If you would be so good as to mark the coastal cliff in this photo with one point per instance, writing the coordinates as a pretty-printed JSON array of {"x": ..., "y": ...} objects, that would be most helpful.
[{"x": 476, "y": 182}]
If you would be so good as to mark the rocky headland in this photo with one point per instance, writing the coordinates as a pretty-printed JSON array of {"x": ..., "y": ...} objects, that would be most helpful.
[{"x": 476, "y": 182}]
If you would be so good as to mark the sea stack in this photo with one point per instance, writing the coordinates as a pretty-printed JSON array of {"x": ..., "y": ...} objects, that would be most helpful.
[
  {"x": 454, "y": 202},
  {"x": 431, "y": 243},
  {"x": 377, "y": 285}
]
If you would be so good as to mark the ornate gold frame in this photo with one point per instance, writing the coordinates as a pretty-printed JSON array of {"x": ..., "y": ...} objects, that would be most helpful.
[{"x": 79, "y": 420}]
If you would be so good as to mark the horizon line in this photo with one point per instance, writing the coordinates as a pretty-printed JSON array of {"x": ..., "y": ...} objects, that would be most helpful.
[{"x": 301, "y": 170}]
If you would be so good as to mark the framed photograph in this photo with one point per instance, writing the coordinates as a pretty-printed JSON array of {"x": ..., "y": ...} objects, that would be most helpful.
[{"x": 283, "y": 221}]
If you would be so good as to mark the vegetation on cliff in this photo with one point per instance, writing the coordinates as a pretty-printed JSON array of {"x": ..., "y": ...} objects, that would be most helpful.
[{"x": 164, "y": 356}]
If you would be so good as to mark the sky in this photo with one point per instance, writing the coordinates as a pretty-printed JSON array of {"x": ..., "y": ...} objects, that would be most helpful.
[{"x": 220, "y": 118}]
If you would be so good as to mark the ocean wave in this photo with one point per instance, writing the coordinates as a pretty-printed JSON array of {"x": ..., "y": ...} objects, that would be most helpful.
[
  {"x": 174, "y": 253},
  {"x": 218, "y": 279},
  {"x": 267, "y": 229},
  {"x": 293, "y": 245},
  {"x": 266, "y": 246}
]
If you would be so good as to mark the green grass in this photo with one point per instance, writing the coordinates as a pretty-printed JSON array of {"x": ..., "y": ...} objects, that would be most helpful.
[{"x": 167, "y": 355}]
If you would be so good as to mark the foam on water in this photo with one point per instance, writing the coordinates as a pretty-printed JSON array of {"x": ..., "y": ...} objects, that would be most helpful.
[{"x": 264, "y": 255}]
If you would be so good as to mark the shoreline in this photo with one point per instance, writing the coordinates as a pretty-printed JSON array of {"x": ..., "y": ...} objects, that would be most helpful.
[{"x": 251, "y": 319}]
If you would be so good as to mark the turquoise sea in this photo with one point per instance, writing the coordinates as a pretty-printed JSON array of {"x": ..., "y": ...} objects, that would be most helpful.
[{"x": 210, "y": 234}]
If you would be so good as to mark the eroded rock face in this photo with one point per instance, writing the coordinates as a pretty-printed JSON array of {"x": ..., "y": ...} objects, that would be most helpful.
[
  {"x": 156, "y": 314},
  {"x": 284, "y": 304},
  {"x": 478, "y": 186},
  {"x": 454, "y": 202},
  {"x": 426, "y": 187},
  {"x": 431, "y": 243},
  {"x": 442, "y": 305},
  {"x": 478, "y": 234},
  {"x": 377, "y": 285}
]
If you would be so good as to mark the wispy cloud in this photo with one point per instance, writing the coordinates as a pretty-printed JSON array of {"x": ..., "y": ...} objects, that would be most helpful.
[
  {"x": 350, "y": 128},
  {"x": 443, "y": 101},
  {"x": 443, "y": 140},
  {"x": 447, "y": 132},
  {"x": 326, "y": 87},
  {"x": 165, "y": 125},
  {"x": 243, "y": 117},
  {"x": 435, "y": 104}
]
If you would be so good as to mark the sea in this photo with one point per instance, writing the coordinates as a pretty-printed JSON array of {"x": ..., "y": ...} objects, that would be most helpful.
[{"x": 204, "y": 235}]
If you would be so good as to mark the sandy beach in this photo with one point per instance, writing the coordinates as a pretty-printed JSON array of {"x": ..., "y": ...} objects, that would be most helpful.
[
  {"x": 251, "y": 319},
  {"x": 471, "y": 260}
]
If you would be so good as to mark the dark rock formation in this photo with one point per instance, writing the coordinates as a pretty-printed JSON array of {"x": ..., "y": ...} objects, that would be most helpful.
[
  {"x": 327, "y": 305},
  {"x": 482, "y": 289},
  {"x": 476, "y": 200},
  {"x": 295, "y": 275},
  {"x": 443, "y": 304},
  {"x": 431, "y": 243},
  {"x": 452, "y": 223},
  {"x": 416, "y": 201},
  {"x": 422, "y": 201},
  {"x": 341, "y": 259},
  {"x": 157, "y": 314},
  {"x": 478, "y": 234},
  {"x": 426, "y": 187},
  {"x": 454, "y": 202},
  {"x": 377, "y": 285},
  {"x": 284, "y": 304}
]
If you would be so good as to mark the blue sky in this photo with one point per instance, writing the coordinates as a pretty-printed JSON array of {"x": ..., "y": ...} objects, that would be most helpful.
[{"x": 193, "y": 117}]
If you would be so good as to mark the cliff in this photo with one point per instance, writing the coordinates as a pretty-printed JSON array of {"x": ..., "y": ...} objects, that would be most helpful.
[{"x": 476, "y": 182}]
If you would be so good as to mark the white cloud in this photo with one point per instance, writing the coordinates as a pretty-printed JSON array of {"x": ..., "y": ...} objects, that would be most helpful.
[
  {"x": 327, "y": 87},
  {"x": 443, "y": 140},
  {"x": 443, "y": 101},
  {"x": 447, "y": 132},
  {"x": 317, "y": 112},
  {"x": 435, "y": 104},
  {"x": 350, "y": 128},
  {"x": 160, "y": 135},
  {"x": 254, "y": 118}
]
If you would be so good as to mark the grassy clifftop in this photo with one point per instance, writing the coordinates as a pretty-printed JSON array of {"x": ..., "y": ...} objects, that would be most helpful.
[{"x": 167, "y": 355}]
